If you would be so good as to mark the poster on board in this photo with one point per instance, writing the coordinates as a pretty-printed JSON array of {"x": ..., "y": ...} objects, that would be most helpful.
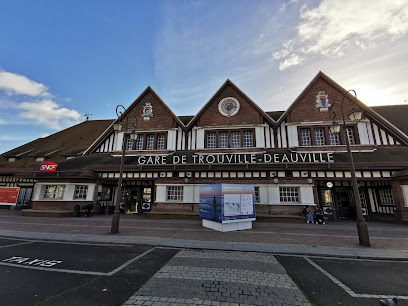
[
  {"x": 226, "y": 202},
  {"x": 9, "y": 195}
]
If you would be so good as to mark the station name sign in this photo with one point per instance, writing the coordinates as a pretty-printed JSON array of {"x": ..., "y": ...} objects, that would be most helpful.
[{"x": 266, "y": 158}]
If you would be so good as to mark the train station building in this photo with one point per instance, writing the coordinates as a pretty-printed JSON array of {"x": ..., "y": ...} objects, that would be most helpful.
[{"x": 291, "y": 157}]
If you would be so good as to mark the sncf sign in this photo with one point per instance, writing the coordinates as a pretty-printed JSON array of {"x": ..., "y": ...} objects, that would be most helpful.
[{"x": 48, "y": 166}]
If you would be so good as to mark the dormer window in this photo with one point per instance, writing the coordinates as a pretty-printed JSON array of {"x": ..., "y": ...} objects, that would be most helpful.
[
  {"x": 39, "y": 159},
  {"x": 229, "y": 139},
  {"x": 11, "y": 159},
  {"x": 321, "y": 136},
  {"x": 147, "y": 141}
]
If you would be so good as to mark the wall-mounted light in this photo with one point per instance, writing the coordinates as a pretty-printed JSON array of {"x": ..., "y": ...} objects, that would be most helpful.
[
  {"x": 309, "y": 178},
  {"x": 186, "y": 180},
  {"x": 275, "y": 178},
  {"x": 117, "y": 126}
]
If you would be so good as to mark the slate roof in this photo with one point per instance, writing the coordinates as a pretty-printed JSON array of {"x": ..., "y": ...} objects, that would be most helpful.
[
  {"x": 56, "y": 147},
  {"x": 396, "y": 114}
]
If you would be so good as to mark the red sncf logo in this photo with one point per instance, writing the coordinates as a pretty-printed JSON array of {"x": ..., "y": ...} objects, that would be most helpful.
[{"x": 48, "y": 166}]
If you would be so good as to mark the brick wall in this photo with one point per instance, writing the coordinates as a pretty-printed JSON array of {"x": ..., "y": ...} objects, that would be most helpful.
[
  {"x": 305, "y": 110},
  {"x": 162, "y": 117},
  {"x": 58, "y": 205},
  {"x": 247, "y": 113}
]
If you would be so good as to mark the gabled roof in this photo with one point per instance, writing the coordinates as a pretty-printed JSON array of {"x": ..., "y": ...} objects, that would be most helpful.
[
  {"x": 396, "y": 114},
  {"x": 158, "y": 97},
  {"x": 366, "y": 109},
  {"x": 226, "y": 83},
  {"x": 69, "y": 142},
  {"x": 109, "y": 130}
]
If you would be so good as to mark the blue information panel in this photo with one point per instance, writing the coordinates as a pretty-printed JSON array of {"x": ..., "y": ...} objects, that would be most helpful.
[{"x": 227, "y": 202}]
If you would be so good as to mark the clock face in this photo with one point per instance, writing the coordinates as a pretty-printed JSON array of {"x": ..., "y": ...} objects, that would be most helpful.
[{"x": 228, "y": 107}]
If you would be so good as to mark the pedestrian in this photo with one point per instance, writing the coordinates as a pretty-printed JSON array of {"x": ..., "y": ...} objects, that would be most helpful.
[
  {"x": 319, "y": 217},
  {"x": 309, "y": 214},
  {"x": 88, "y": 209}
]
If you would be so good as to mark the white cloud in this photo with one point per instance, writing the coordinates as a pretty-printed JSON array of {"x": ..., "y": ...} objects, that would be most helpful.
[
  {"x": 2, "y": 121},
  {"x": 13, "y": 83},
  {"x": 48, "y": 113},
  {"x": 335, "y": 27}
]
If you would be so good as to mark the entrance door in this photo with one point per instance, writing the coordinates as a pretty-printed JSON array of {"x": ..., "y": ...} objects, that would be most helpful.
[
  {"x": 343, "y": 203},
  {"x": 133, "y": 204}
]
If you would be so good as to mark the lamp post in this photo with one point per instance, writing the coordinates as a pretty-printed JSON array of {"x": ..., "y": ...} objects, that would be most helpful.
[
  {"x": 354, "y": 115},
  {"x": 117, "y": 127}
]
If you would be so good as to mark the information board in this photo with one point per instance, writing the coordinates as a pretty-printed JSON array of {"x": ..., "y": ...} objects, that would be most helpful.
[{"x": 227, "y": 202}]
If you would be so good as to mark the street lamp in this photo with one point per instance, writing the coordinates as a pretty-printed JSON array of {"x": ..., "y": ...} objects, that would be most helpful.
[
  {"x": 354, "y": 115},
  {"x": 117, "y": 127}
]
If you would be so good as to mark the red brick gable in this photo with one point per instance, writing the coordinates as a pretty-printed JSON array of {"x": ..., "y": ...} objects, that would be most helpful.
[
  {"x": 163, "y": 117},
  {"x": 304, "y": 108},
  {"x": 249, "y": 112}
]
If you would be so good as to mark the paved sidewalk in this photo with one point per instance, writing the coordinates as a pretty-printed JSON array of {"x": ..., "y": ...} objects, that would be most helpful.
[
  {"x": 220, "y": 278},
  {"x": 389, "y": 241}
]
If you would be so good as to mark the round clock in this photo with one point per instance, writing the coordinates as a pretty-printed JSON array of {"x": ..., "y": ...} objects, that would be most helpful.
[{"x": 228, "y": 107}]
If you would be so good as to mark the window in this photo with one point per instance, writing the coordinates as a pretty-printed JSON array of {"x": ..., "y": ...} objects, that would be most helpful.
[
  {"x": 230, "y": 139},
  {"x": 81, "y": 192},
  {"x": 175, "y": 193},
  {"x": 150, "y": 142},
  {"x": 106, "y": 193},
  {"x": 350, "y": 135},
  {"x": 211, "y": 140},
  {"x": 223, "y": 139},
  {"x": 11, "y": 159},
  {"x": 319, "y": 137},
  {"x": 139, "y": 142},
  {"x": 235, "y": 140},
  {"x": 54, "y": 191},
  {"x": 289, "y": 194},
  {"x": 305, "y": 139},
  {"x": 257, "y": 199},
  {"x": 129, "y": 144},
  {"x": 248, "y": 139},
  {"x": 334, "y": 139},
  {"x": 39, "y": 159},
  {"x": 386, "y": 196},
  {"x": 161, "y": 142}
]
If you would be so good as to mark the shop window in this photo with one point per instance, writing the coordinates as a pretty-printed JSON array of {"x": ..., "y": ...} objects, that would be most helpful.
[
  {"x": 175, "y": 193},
  {"x": 334, "y": 139},
  {"x": 230, "y": 139},
  {"x": 319, "y": 137},
  {"x": 81, "y": 191},
  {"x": 386, "y": 196},
  {"x": 54, "y": 191},
  {"x": 106, "y": 193},
  {"x": 289, "y": 194},
  {"x": 257, "y": 199},
  {"x": 305, "y": 139}
]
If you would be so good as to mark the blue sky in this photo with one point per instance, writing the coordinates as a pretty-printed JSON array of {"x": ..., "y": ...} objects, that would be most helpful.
[{"x": 61, "y": 59}]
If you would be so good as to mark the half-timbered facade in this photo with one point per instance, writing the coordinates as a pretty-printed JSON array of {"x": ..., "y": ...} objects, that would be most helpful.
[{"x": 290, "y": 157}]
